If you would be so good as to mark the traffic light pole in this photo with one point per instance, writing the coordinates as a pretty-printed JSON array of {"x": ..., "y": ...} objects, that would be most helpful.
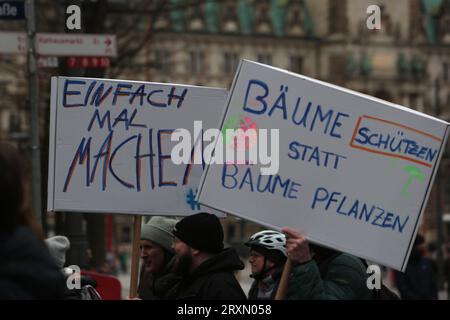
[{"x": 34, "y": 111}]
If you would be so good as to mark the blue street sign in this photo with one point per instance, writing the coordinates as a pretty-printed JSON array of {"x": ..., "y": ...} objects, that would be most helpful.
[{"x": 12, "y": 10}]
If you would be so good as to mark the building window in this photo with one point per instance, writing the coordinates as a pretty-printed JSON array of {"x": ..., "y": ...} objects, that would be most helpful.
[
  {"x": 444, "y": 22},
  {"x": 3, "y": 89},
  {"x": 337, "y": 66},
  {"x": 14, "y": 122},
  {"x": 446, "y": 71},
  {"x": 265, "y": 58},
  {"x": 230, "y": 19},
  {"x": 337, "y": 17},
  {"x": 386, "y": 23},
  {"x": 4, "y": 121},
  {"x": 196, "y": 22},
  {"x": 296, "y": 64},
  {"x": 162, "y": 22},
  {"x": 262, "y": 19},
  {"x": 196, "y": 62},
  {"x": 413, "y": 101},
  {"x": 415, "y": 19},
  {"x": 162, "y": 60},
  {"x": 295, "y": 21},
  {"x": 231, "y": 62}
]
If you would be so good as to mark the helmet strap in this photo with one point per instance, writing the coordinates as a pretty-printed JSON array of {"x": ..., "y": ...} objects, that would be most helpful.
[{"x": 264, "y": 271}]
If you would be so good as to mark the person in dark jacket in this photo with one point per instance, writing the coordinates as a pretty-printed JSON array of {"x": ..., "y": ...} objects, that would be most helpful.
[
  {"x": 27, "y": 271},
  {"x": 157, "y": 259},
  {"x": 207, "y": 269},
  {"x": 267, "y": 257},
  {"x": 324, "y": 274},
  {"x": 419, "y": 280}
]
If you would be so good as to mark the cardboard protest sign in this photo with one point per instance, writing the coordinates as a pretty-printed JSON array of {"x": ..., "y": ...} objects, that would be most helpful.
[
  {"x": 354, "y": 174},
  {"x": 110, "y": 145}
]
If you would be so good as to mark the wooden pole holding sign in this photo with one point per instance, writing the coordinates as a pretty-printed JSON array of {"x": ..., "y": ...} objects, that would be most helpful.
[
  {"x": 284, "y": 281},
  {"x": 135, "y": 257}
]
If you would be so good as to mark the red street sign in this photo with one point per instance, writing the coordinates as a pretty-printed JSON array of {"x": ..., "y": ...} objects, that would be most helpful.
[{"x": 88, "y": 62}]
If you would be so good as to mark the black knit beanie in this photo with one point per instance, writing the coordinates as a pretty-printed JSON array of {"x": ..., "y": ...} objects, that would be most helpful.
[{"x": 201, "y": 231}]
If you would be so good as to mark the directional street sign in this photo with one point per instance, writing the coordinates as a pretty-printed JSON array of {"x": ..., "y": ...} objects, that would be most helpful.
[
  {"x": 71, "y": 44},
  {"x": 13, "y": 42},
  {"x": 62, "y": 44}
]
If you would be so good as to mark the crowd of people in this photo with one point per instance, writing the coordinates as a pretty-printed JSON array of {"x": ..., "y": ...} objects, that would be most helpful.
[{"x": 186, "y": 259}]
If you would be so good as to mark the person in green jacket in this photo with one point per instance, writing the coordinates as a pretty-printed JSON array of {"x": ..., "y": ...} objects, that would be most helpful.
[{"x": 319, "y": 273}]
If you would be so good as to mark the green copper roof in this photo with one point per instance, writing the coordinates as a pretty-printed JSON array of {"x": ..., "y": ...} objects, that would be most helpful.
[
  {"x": 278, "y": 14},
  {"x": 177, "y": 14},
  {"x": 212, "y": 13},
  {"x": 245, "y": 12},
  {"x": 431, "y": 9}
]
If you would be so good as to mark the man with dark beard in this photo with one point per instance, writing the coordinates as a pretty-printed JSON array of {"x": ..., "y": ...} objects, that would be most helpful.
[{"x": 207, "y": 269}]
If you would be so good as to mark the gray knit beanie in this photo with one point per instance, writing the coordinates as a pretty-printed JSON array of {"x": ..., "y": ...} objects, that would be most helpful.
[
  {"x": 58, "y": 245},
  {"x": 159, "y": 230}
]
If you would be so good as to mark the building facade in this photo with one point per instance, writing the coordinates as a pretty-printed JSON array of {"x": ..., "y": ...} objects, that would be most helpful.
[
  {"x": 200, "y": 42},
  {"x": 406, "y": 61}
]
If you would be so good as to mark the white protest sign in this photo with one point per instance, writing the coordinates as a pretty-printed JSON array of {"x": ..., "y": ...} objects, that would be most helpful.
[
  {"x": 110, "y": 145},
  {"x": 355, "y": 172}
]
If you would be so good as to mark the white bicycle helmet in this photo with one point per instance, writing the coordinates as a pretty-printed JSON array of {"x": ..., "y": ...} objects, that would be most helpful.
[{"x": 270, "y": 240}]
